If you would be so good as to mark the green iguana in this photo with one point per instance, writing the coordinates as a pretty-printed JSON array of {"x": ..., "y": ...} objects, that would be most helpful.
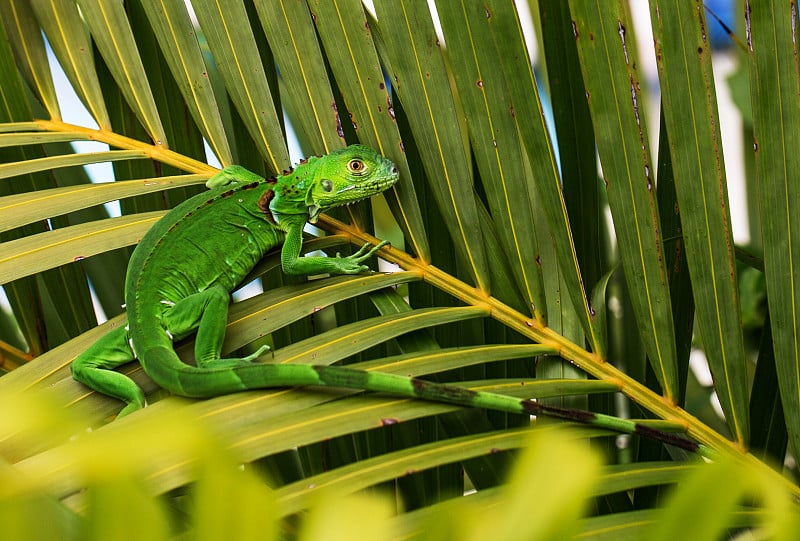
[{"x": 181, "y": 274}]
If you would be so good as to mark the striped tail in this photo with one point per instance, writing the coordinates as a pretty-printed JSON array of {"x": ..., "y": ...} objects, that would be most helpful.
[{"x": 170, "y": 372}]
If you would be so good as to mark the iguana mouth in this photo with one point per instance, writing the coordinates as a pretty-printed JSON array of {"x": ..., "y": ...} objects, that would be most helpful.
[
  {"x": 368, "y": 190},
  {"x": 355, "y": 193}
]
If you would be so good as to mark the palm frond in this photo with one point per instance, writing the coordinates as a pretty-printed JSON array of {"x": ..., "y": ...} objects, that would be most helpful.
[{"x": 508, "y": 281}]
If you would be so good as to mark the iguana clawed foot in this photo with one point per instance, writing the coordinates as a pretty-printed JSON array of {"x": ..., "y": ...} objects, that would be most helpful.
[
  {"x": 235, "y": 361},
  {"x": 353, "y": 264},
  {"x": 259, "y": 352},
  {"x": 232, "y": 174}
]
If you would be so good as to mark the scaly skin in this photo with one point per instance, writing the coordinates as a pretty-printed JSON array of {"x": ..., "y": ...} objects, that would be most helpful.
[{"x": 182, "y": 272}]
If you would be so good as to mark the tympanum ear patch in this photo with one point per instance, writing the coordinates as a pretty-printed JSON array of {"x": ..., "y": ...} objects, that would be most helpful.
[{"x": 327, "y": 185}]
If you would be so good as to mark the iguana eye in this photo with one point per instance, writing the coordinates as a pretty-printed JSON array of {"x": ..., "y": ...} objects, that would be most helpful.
[
  {"x": 327, "y": 185},
  {"x": 356, "y": 166}
]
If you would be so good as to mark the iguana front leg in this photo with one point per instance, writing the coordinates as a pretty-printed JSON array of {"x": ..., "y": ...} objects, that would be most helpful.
[{"x": 292, "y": 263}]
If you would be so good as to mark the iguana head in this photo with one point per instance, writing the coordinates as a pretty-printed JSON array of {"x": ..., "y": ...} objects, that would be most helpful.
[{"x": 344, "y": 176}]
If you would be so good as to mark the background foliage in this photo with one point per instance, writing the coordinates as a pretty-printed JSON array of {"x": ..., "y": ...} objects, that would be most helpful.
[{"x": 509, "y": 277}]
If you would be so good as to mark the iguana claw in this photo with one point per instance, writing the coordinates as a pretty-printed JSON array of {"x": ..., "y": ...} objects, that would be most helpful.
[
  {"x": 352, "y": 264},
  {"x": 253, "y": 356}
]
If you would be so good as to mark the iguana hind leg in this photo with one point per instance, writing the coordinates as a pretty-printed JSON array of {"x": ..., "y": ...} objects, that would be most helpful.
[
  {"x": 206, "y": 311},
  {"x": 95, "y": 368}
]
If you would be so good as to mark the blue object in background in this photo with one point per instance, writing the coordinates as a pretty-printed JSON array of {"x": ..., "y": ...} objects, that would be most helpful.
[{"x": 724, "y": 10}]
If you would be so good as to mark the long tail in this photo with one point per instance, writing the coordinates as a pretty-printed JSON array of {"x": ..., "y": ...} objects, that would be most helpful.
[{"x": 167, "y": 370}]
